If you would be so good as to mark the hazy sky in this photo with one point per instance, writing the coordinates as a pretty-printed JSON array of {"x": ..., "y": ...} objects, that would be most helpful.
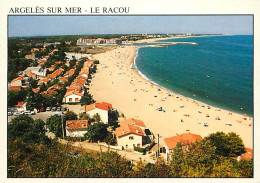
[{"x": 69, "y": 25}]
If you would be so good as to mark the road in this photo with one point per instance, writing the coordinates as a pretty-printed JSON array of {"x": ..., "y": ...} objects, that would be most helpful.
[
  {"x": 98, "y": 147},
  {"x": 42, "y": 115}
]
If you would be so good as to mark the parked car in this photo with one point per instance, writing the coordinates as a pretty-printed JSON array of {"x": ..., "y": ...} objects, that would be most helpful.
[
  {"x": 27, "y": 112},
  {"x": 58, "y": 108},
  {"x": 48, "y": 109},
  {"x": 10, "y": 113},
  {"x": 53, "y": 108},
  {"x": 63, "y": 109},
  {"x": 18, "y": 113},
  {"x": 42, "y": 109},
  {"x": 32, "y": 112}
]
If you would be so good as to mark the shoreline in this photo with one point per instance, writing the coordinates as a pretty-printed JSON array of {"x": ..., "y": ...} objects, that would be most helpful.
[
  {"x": 134, "y": 66},
  {"x": 141, "y": 104}
]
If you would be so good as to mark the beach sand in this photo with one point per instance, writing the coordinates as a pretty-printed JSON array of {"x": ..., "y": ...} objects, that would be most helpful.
[{"x": 117, "y": 83}]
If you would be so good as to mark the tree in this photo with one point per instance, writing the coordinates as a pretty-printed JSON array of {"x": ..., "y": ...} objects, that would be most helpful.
[
  {"x": 54, "y": 124},
  {"x": 87, "y": 99},
  {"x": 84, "y": 116},
  {"x": 96, "y": 132},
  {"x": 69, "y": 115},
  {"x": 97, "y": 118},
  {"x": 228, "y": 145},
  {"x": 28, "y": 130},
  {"x": 113, "y": 119}
]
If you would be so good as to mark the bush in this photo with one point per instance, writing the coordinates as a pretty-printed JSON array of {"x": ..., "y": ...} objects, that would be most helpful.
[{"x": 141, "y": 150}]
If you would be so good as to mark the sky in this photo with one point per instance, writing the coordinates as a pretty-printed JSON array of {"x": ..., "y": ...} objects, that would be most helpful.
[{"x": 19, "y": 26}]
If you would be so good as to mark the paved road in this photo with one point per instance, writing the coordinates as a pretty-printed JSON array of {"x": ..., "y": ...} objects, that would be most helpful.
[
  {"x": 97, "y": 147},
  {"x": 42, "y": 115}
]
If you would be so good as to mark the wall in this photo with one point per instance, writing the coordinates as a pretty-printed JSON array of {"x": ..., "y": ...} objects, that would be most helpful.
[
  {"x": 73, "y": 96},
  {"x": 123, "y": 141},
  {"x": 76, "y": 133},
  {"x": 103, "y": 114}
]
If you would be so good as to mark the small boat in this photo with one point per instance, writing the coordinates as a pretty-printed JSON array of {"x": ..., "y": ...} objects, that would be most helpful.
[{"x": 208, "y": 76}]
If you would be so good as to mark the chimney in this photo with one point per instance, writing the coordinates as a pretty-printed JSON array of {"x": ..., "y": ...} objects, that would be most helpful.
[
  {"x": 123, "y": 131},
  {"x": 137, "y": 131}
]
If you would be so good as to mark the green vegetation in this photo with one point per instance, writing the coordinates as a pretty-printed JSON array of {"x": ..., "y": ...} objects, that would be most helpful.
[
  {"x": 228, "y": 145},
  {"x": 31, "y": 154},
  {"x": 54, "y": 124},
  {"x": 96, "y": 132}
]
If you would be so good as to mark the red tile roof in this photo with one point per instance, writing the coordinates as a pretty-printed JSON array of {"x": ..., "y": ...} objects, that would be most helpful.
[
  {"x": 19, "y": 104},
  {"x": 51, "y": 76},
  {"x": 58, "y": 62},
  {"x": 16, "y": 79},
  {"x": 247, "y": 155},
  {"x": 14, "y": 88},
  {"x": 185, "y": 138},
  {"x": 58, "y": 71},
  {"x": 35, "y": 90},
  {"x": 70, "y": 72},
  {"x": 127, "y": 129},
  {"x": 76, "y": 124},
  {"x": 132, "y": 121},
  {"x": 73, "y": 92},
  {"x": 65, "y": 79},
  {"x": 104, "y": 106}
]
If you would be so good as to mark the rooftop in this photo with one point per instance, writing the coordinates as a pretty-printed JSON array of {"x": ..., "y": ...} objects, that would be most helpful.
[
  {"x": 185, "y": 138},
  {"x": 103, "y": 106},
  {"x": 76, "y": 124}
]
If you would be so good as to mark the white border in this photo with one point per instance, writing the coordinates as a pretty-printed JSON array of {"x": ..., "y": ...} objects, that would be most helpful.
[{"x": 172, "y": 7}]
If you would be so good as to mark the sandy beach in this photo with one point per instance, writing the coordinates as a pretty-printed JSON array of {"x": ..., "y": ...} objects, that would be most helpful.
[{"x": 117, "y": 83}]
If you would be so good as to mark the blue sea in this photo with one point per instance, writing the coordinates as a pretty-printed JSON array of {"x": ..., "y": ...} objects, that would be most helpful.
[{"x": 218, "y": 71}]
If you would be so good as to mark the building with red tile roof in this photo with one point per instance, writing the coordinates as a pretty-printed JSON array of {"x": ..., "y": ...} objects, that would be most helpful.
[
  {"x": 70, "y": 72},
  {"x": 130, "y": 134},
  {"x": 135, "y": 122},
  {"x": 17, "y": 81},
  {"x": 247, "y": 155},
  {"x": 64, "y": 79},
  {"x": 184, "y": 139},
  {"x": 58, "y": 62},
  {"x": 99, "y": 108},
  {"x": 72, "y": 97},
  {"x": 51, "y": 76},
  {"x": 30, "y": 56},
  {"x": 35, "y": 49},
  {"x": 20, "y": 106},
  {"x": 14, "y": 88},
  {"x": 35, "y": 90},
  {"x": 76, "y": 128}
]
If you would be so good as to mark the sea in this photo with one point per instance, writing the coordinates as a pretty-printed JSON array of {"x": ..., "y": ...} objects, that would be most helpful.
[{"x": 218, "y": 71}]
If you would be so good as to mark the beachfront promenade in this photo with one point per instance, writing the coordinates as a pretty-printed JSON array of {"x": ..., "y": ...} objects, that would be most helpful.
[{"x": 117, "y": 83}]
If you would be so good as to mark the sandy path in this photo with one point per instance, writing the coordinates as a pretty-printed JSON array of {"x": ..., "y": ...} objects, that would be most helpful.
[{"x": 116, "y": 83}]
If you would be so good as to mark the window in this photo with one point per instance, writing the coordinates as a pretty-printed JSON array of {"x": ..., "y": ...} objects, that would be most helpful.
[
  {"x": 77, "y": 99},
  {"x": 131, "y": 138},
  {"x": 70, "y": 99}
]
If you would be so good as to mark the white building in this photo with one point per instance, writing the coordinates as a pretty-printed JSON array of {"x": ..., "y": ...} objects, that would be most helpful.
[
  {"x": 99, "y": 108},
  {"x": 130, "y": 134},
  {"x": 76, "y": 128},
  {"x": 72, "y": 97}
]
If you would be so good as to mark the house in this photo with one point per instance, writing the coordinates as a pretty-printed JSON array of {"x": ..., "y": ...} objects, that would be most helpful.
[
  {"x": 171, "y": 142},
  {"x": 69, "y": 73},
  {"x": 130, "y": 134},
  {"x": 247, "y": 155},
  {"x": 17, "y": 81},
  {"x": 35, "y": 90},
  {"x": 64, "y": 79},
  {"x": 20, "y": 106},
  {"x": 30, "y": 56},
  {"x": 72, "y": 97},
  {"x": 14, "y": 88},
  {"x": 76, "y": 128},
  {"x": 99, "y": 108}
]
